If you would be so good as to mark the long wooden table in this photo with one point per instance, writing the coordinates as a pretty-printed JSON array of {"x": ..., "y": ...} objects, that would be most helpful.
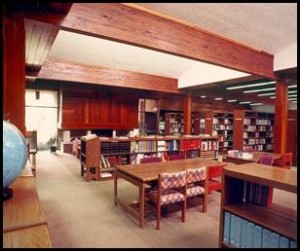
[
  {"x": 140, "y": 174},
  {"x": 254, "y": 159}
]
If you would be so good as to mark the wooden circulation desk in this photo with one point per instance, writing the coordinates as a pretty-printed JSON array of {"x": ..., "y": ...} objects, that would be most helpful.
[
  {"x": 24, "y": 222},
  {"x": 254, "y": 159},
  {"x": 140, "y": 174}
]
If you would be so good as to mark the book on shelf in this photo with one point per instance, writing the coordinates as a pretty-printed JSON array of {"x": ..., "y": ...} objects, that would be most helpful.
[
  {"x": 257, "y": 236},
  {"x": 266, "y": 238},
  {"x": 238, "y": 232},
  {"x": 226, "y": 233},
  {"x": 232, "y": 229},
  {"x": 250, "y": 233},
  {"x": 283, "y": 242},
  {"x": 244, "y": 234}
]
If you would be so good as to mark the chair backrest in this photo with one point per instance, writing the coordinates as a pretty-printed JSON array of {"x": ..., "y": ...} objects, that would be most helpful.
[
  {"x": 150, "y": 160},
  {"x": 266, "y": 159},
  {"x": 215, "y": 171},
  {"x": 31, "y": 139},
  {"x": 286, "y": 159},
  {"x": 177, "y": 156},
  {"x": 168, "y": 180},
  {"x": 197, "y": 174}
]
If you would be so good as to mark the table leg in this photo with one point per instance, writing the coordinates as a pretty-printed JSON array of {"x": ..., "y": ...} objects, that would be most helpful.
[
  {"x": 142, "y": 204},
  {"x": 116, "y": 187}
]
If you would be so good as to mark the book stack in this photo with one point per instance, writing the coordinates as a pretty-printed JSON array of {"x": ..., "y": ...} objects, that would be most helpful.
[{"x": 241, "y": 233}]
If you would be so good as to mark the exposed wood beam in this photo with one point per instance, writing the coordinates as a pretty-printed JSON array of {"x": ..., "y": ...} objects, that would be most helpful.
[
  {"x": 187, "y": 114},
  {"x": 68, "y": 71},
  {"x": 134, "y": 26}
]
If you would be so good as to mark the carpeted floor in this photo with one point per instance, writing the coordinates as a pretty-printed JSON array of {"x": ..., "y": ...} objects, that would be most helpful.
[{"x": 82, "y": 214}]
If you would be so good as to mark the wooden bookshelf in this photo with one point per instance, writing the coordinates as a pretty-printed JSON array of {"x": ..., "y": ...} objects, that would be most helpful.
[
  {"x": 253, "y": 131},
  {"x": 278, "y": 220},
  {"x": 222, "y": 127},
  {"x": 90, "y": 158},
  {"x": 174, "y": 124},
  {"x": 198, "y": 123}
]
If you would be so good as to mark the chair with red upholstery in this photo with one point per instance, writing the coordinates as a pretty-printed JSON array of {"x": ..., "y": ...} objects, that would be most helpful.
[
  {"x": 176, "y": 156},
  {"x": 266, "y": 159},
  {"x": 171, "y": 189},
  {"x": 197, "y": 184},
  {"x": 215, "y": 178},
  {"x": 150, "y": 160},
  {"x": 285, "y": 161}
]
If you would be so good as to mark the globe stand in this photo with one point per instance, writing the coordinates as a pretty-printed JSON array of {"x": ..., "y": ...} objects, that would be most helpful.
[{"x": 7, "y": 193}]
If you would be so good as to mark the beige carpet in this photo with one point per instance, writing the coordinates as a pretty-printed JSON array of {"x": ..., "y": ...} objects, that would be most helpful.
[{"x": 81, "y": 214}]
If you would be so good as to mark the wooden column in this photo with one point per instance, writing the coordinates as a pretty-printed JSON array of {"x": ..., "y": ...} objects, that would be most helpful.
[
  {"x": 208, "y": 122},
  {"x": 187, "y": 114},
  {"x": 14, "y": 72},
  {"x": 281, "y": 112}
]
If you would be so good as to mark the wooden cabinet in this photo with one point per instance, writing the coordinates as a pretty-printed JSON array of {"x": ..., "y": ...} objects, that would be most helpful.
[
  {"x": 96, "y": 108},
  {"x": 243, "y": 216},
  {"x": 253, "y": 131}
]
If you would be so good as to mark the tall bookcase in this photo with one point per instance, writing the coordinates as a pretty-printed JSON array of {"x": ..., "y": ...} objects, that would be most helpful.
[
  {"x": 222, "y": 127},
  {"x": 198, "y": 123},
  {"x": 174, "y": 124},
  {"x": 246, "y": 221},
  {"x": 253, "y": 131}
]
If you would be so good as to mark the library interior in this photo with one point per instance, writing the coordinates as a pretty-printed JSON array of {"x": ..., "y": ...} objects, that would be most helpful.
[{"x": 150, "y": 125}]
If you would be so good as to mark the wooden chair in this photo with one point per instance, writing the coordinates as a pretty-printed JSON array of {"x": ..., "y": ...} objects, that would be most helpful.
[
  {"x": 150, "y": 160},
  {"x": 214, "y": 178},
  {"x": 197, "y": 184},
  {"x": 266, "y": 159},
  {"x": 176, "y": 156},
  {"x": 285, "y": 161},
  {"x": 171, "y": 189}
]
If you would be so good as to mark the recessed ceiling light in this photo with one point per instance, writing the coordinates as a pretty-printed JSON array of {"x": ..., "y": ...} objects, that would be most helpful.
[
  {"x": 256, "y": 104},
  {"x": 292, "y": 86},
  {"x": 232, "y": 100},
  {"x": 251, "y": 85},
  {"x": 218, "y": 98},
  {"x": 259, "y": 90},
  {"x": 203, "y": 96},
  {"x": 245, "y": 102},
  {"x": 266, "y": 94}
]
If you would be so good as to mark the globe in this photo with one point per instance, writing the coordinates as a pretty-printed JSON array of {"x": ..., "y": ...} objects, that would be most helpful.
[{"x": 14, "y": 153}]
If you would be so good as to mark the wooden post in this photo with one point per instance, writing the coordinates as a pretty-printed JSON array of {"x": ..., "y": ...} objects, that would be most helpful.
[
  {"x": 187, "y": 114},
  {"x": 281, "y": 112},
  {"x": 14, "y": 72}
]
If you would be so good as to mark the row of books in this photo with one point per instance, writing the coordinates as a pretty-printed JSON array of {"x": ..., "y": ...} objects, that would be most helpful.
[
  {"x": 241, "y": 233},
  {"x": 143, "y": 146},
  {"x": 209, "y": 145},
  {"x": 190, "y": 144},
  {"x": 115, "y": 147},
  {"x": 255, "y": 193}
]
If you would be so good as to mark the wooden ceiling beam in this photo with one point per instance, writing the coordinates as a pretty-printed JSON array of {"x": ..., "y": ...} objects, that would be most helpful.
[
  {"x": 69, "y": 71},
  {"x": 134, "y": 26}
]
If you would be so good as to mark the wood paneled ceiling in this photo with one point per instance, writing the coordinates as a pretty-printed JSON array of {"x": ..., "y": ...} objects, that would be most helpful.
[{"x": 40, "y": 35}]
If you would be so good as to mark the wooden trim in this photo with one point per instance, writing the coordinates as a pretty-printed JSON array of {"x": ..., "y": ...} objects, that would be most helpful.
[
  {"x": 115, "y": 22},
  {"x": 68, "y": 71}
]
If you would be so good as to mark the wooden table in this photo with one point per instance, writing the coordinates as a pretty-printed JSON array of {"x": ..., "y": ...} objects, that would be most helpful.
[
  {"x": 24, "y": 222},
  {"x": 140, "y": 174}
]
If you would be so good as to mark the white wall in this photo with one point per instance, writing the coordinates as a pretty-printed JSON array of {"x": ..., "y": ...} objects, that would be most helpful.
[
  {"x": 203, "y": 73},
  {"x": 286, "y": 58}
]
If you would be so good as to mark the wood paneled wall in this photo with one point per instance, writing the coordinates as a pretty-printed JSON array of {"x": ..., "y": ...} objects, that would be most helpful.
[{"x": 98, "y": 108}]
